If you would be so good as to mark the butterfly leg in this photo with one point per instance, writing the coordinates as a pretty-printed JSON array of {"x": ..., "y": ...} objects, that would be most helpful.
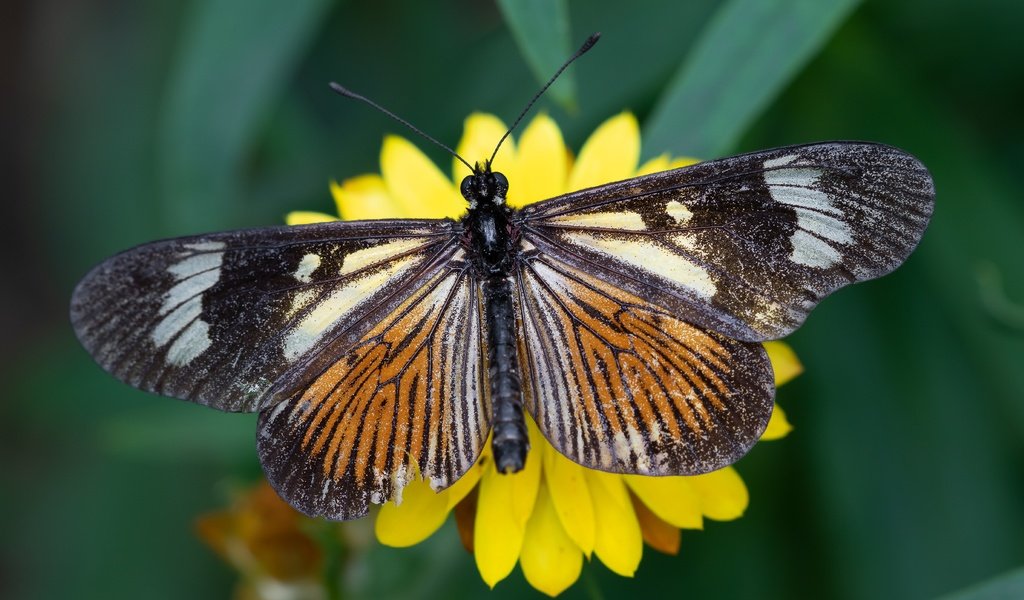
[{"x": 510, "y": 442}]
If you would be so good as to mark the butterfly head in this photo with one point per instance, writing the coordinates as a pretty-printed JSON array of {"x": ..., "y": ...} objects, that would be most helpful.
[
  {"x": 484, "y": 187},
  {"x": 488, "y": 236}
]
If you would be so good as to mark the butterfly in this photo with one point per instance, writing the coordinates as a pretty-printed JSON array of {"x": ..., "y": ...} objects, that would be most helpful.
[{"x": 625, "y": 319}]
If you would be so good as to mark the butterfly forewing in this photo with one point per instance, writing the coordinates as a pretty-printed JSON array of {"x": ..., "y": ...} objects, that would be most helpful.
[
  {"x": 747, "y": 245},
  {"x": 620, "y": 384},
  {"x": 239, "y": 320},
  {"x": 407, "y": 400}
]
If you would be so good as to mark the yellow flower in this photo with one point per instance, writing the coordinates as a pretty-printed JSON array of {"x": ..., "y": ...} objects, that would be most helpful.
[{"x": 553, "y": 513}]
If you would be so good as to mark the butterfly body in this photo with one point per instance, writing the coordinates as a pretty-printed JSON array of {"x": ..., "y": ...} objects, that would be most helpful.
[
  {"x": 492, "y": 245},
  {"x": 625, "y": 319}
]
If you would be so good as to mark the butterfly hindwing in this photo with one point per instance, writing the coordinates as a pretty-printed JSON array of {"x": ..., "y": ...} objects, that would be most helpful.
[
  {"x": 747, "y": 245},
  {"x": 408, "y": 399},
  {"x": 239, "y": 320},
  {"x": 620, "y": 384}
]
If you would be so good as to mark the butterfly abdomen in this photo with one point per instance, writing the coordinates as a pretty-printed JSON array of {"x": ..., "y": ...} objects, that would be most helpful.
[{"x": 510, "y": 442}]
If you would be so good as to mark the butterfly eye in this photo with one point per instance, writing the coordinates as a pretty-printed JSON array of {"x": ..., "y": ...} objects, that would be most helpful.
[
  {"x": 467, "y": 186},
  {"x": 501, "y": 184}
]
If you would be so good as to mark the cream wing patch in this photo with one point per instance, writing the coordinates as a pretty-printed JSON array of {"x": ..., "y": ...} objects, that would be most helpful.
[
  {"x": 361, "y": 259},
  {"x": 176, "y": 320},
  {"x": 608, "y": 220},
  {"x": 678, "y": 211},
  {"x": 181, "y": 325},
  {"x": 315, "y": 324},
  {"x": 650, "y": 257},
  {"x": 304, "y": 273},
  {"x": 192, "y": 342},
  {"x": 307, "y": 266},
  {"x": 821, "y": 230}
]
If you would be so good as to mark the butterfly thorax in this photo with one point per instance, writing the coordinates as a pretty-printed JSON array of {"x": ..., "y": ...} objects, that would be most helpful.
[
  {"x": 490, "y": 242},
  {"x": 488, "y": 237}
]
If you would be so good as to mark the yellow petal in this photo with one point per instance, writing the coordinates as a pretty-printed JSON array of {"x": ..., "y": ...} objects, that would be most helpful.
[
  {"x": 305, "y": 217},
  {"x": 672, "y": 499},
  {"x": 421, "y": 513},
  {"x": 551, "y": 561},
  {"x": 418, "y": 187},
  {"x": 480, "y": 134},
  {"x": 778, "y": 425},
  {"x": 663, "y": 163},
  {"x": 682, "y": 161},
  {"x": 364, "y": 197},
  {"x": 525, "y": 483},
  {"x": 542, "y": 163},
  {"x": 611, "y": 153},
  {"x": 465, "y": 484},
  {"x": 570, "y": 496},
  {"x": 784, "y": 362},
  {"x": 498, "y": 531},
  {"x": 618, "y": 543},
  {"x": 654, "y": 165},
  {"x": 723, "y": 495}
]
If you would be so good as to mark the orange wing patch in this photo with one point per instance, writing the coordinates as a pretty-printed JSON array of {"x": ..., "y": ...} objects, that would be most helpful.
[
  {"x": 408, "y": 400},
  {"x": 619, "y": 384}
]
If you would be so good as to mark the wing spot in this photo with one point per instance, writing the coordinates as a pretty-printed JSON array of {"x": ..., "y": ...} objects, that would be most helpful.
[
  {"x": 679, "y": 212},
  {"x": 307, "y": 266}
]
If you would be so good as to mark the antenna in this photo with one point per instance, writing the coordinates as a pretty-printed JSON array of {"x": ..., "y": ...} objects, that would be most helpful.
[
  {"x": 587, "y": 45},
  {"x": 337, "y": 87}
]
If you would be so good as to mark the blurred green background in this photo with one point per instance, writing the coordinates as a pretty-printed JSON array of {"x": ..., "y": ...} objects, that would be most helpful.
[{"x": 125, "y": 121}]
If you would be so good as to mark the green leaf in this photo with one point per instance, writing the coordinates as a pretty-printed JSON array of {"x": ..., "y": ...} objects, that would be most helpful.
[
  {"x": 745, "y": 56},
  {"x": 541, "y": 29},
  {"x": 235, "y": 57}
]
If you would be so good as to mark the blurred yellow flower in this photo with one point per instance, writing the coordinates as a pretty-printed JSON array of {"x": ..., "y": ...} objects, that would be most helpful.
[
  {"x": 263, "y": 539},
  {"x": 553, "y": 513}
]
